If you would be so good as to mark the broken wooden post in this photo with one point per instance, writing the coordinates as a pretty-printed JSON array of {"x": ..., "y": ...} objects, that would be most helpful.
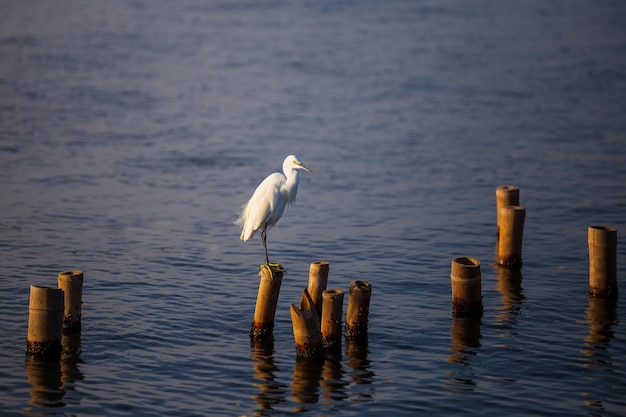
[
  {"x": 71, "y": 282},
  {"x": 511, "y": 236},
  {"x": 271, "y": 278},
  {"x": 45, "y": 322},
  {"x": 306, "y": 328},
  {"x": 318, "y": 278},
  {"x": 602, "y": 241},
  {"x": 332, "y": 309},
  {"x": 466, "y": 286},
  {"x": 359, "y": 296}
]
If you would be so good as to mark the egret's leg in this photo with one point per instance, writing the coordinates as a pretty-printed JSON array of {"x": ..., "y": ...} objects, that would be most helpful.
[{"x": 263, "y": 238}]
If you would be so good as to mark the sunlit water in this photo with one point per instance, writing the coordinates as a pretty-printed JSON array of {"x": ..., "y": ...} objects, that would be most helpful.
[{"x": 132, "y": 132}]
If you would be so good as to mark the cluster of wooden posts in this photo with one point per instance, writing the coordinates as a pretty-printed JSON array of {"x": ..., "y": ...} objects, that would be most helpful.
[
  {"x": 53, "y": 312},
  {"x": 465, "y": 271},
  {"x": 317, "y": 320},
  {"x": 317, "y": 325}
]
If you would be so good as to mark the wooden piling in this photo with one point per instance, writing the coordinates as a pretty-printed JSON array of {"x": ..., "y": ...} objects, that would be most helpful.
[
  {"x": 332, "y": 310},
  {"x": 506, "y": 195},
  {"x": 271, "y": 277},
  {"x": 71, "y": 282},
  {"x": 511, "y": 236},
  {"x": 306, "y": 328},
  {"x": 45, "y": 322},
  {"x": 602, "y": 241},
  {"x": 466, "y": 286},
  {"x": 318, "y": 278},
  {"x": 359, "y": 296}
]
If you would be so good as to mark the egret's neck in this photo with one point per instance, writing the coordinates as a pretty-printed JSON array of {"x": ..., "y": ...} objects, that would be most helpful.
[
  {"x": 291, "y": 185},
  {"x": 293, "y": 177}
]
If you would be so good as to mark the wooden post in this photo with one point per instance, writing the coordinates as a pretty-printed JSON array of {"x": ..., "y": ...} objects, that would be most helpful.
[
  {"x": 506, "y": 195},
  {"x": 318, "y": 277},
  {"x": 306, "y": 328},
  {"x": 466, "y": 286},
  {"x": 359, "y": 296},
  {"x": 271, "y": 277},
  {"x": 45, "y": 322},
  {"x": 602, "y": 242},
  {"x": 511, "y": 236},
  {"x": 71, "y": 282},
  {"x": 332, "y": 309}
]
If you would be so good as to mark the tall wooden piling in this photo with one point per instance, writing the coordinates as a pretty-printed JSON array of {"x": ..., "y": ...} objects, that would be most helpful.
[
  {"x": 332, "y": 310},
  {"x": 506, "y": 195},
  {"x": 271, "y": 277},
  {"x": 306, "y": 328},
  {"x": 359, "y": 296},
  {"x": 466, "y": 286},
  {"x": 602, "y": 241},
  {"x": 45, "y": 322},
  {"x": 71, "y": 282},
  {"x": 510, "y": 239},
  {"x": 318, "y": 278}
]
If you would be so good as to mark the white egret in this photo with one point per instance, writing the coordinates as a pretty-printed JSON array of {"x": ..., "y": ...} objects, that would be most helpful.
[{"x": 266, "y": 206}]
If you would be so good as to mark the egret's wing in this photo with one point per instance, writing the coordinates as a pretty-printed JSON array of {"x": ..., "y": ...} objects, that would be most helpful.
[{"x": 264, "y": 207}]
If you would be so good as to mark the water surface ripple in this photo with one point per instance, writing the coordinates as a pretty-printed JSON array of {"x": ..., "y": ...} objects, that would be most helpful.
[{"x": 132, "y": 132}]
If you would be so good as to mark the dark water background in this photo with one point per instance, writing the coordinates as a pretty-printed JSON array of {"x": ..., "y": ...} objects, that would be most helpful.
[{"x": 131, "y": 133}]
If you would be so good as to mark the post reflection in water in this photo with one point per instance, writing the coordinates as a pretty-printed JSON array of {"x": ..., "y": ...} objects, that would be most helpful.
[
  {"x": 52, "y": 381},
  {"x": 361, "y": 375},
  {"x": 333, "y": 384},
  {"x": 318, "y": 380},
  {"x": 601, "y": 317},
  {"x": 465, "y": 333},
  {"x": 306, "y": 381},
  {"x": 265, "y": 369},
  {"x": 510, "y": 286}
]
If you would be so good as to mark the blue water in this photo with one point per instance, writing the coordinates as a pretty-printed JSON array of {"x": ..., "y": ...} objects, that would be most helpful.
[{"x": 132, "y": 132}]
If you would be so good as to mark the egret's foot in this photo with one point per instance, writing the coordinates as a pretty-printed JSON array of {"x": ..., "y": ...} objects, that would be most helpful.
[{"x": 272, "y": 267}]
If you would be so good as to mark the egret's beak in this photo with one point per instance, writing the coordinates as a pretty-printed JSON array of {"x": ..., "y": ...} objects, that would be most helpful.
[{"x": 304, "y": 167}]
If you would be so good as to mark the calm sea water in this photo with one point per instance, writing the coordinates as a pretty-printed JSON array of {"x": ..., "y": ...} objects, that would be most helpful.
[{"x": 132, "y": 132}]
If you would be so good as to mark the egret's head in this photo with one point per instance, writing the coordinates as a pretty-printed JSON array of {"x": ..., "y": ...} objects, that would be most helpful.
[{"x": 293, "y": 162}]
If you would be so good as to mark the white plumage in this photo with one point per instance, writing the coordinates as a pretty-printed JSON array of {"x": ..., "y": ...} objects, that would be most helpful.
[{"x": 263, "y": 210}]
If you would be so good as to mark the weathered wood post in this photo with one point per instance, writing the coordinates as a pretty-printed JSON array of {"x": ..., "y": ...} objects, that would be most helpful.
[
  {"x": 511, "y": 236},
  {"x": 318, "y": 278},
  {"x": 506, "y": 195},
  {"x": 466, "y": 286},
  {"x": 602, "y": 241},
  {"x": 71, "y": 282},
  {"x": 359, "y": 296},
  {"x": 332, "y": 310},
  {"x": 306, "y": 328},
  {"x": 271, "y": 277},
  {"x": 45, "y": 322}
]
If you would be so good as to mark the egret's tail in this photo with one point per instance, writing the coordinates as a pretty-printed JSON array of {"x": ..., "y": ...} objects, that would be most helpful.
[{"x": 247, "y": 231}]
